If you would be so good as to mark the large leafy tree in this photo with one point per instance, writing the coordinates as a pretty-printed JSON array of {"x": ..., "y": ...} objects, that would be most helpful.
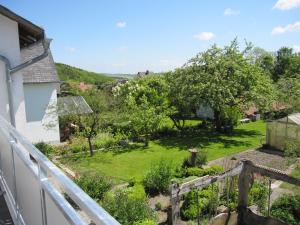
[
  {"x": 144, "y": 104},
  {"x": 283, "y": 62},
  {"x": 222, "y": 78}
]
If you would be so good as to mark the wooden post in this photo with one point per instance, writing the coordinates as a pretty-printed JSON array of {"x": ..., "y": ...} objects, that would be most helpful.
[
  {"x": 244, "y": 184},
  {"x": 175, "y": 204}
]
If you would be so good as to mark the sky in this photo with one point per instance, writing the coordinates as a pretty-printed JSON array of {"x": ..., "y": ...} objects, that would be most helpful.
[{"x": 127, "y": 36}]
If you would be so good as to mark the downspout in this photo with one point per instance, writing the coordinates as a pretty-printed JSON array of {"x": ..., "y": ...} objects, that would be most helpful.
[{"x": 9, "y": 70}]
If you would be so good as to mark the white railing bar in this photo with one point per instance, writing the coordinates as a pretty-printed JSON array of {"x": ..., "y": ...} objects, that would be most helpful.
[
  {"x": 70, "y": 214},
  {"x": 85, "y": 202}
]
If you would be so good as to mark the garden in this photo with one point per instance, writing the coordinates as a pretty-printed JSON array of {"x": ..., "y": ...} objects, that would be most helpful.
[{"x": 136, "y": 142}]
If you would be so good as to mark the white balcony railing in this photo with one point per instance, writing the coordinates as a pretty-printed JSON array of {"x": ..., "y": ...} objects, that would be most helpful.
[{"x": 35, "y": 188}]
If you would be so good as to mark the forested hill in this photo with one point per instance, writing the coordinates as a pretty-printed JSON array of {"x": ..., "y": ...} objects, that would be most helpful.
[{"x": 73, "y": 74}]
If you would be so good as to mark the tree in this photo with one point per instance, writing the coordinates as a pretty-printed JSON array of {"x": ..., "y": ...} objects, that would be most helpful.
[
  {"x": 94, "y": 122},
  {"x": 223, "y": 77},
  {"x": 145, "y": 104},
  {"x": 283, "y": 61},
  {"x": 264, "y": 60}
]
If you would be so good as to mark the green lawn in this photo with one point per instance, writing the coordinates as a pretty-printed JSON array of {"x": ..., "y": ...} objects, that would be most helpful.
[{"x": 130, "y": 163}]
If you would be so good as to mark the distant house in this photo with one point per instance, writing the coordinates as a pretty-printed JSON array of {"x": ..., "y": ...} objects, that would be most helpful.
[
  {"x": 143, "y": 74},
  {"x": 83, "y": 87}
]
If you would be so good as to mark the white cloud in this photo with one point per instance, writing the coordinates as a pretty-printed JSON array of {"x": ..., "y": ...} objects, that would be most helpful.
[
  {"x": 121, "y": 24},
  {"x": 231, "y": 12},
  {"x": 204, "y": 36},
  {"x": 71, "y": 50},
  {"x": 288, "y": 28},
  {"x": 287, "y": 4},
  {"x": 296, "y": 48}
]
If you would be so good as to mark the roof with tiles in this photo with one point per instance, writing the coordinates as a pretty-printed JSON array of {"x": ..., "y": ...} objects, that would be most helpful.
[{"x": 42, "y": 71}]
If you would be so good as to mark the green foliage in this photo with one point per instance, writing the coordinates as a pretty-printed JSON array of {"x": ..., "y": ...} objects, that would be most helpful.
[
  {"x": 158, "y": 178},
  {"x": 259, "y": 195},
  {"x": 283, "y": 62},
  {"x": 46, "y": 149},
  {"x": 70, "y": 73},
  {"x": 145, "y": 104},
  {"x": 196, "y": 171},
  {"x": 158, "y": 206},
  {"x": 94, "y": 185},
  {"x": 206, "y": 203},
  {"x": 128, "y": 206},
  {"x": 287, "y": 209},
  {"x": 222, "y": 79},
  {"x": 201, "y": 158},
  {"x": 292, "y": 149},
  {"x": 145, "y": 222}
]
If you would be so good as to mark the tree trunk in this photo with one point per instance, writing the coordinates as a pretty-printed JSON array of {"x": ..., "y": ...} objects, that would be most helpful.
[
  {"x": 177, "y": 123},
  {"x": 90, "y": 146},
  {"x": 218, "y": 121}
]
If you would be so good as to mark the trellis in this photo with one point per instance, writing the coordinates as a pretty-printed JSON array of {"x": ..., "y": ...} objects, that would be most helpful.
[{"x": 246, "y": 170}]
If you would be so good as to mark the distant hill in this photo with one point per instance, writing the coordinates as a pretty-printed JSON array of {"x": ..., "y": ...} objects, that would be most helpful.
[
  {"x": 73, "y": 74},
  {"x": 121, "y": 75}
]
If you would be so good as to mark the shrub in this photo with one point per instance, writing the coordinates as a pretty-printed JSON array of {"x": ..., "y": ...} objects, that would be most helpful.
[
  {"x": 94, "y": 185},
  {"x": 145, "y": 222},
  {"x": 194, "y": 171},
  {"x": 287, "y": 209},
  {"x": 201, "y": 159},
  {"x": 158, "y": 178},
  {"x": 259, "y": 195},
  {"x": 292, "y": 149},
  {"x": 213, "y": 170},
  {"x": 128, "y": 206},
  {"x": 46, "y": 149},
  {"x": 207, "y": 203},
  {"x": 78, "y": 144}
]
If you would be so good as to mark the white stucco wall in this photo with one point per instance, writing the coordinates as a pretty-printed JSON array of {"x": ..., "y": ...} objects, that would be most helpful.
[
  {"x": 10, "y": 48},
  {"x": 41, "y": 112}
]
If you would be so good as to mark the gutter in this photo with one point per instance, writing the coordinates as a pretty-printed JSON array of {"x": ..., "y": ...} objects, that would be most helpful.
[{"x": 9, "y": 70}]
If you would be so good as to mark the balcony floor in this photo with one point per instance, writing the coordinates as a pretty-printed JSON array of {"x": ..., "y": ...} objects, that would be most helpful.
[{"x": 5, "y": 218}]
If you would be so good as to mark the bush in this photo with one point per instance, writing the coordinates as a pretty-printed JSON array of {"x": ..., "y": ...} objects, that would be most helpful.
[
  {"x": 46, "y": 149},
  {"x": 94, "y": 185},
  {"x": 292, "y": 149},
  {"x": 287, "y": 209},
  {"x": 199, "y": 172},
  {"x": 158, "y": 178},
  {"x": 201, "y": 159},
  {"x": 207, "y": 203},
  {"x": 78, "y": 144},
  {"x": 145, "y": 222},
  {"x": 213, "y": 170},
  {"x": 129, "y": 206},
  {"x": 259, "y": 195}
]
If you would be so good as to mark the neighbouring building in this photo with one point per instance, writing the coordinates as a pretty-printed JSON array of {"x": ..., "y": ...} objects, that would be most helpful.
[
  {"x": 28, "y": 79},
  {"x": 40, "y": 84}
]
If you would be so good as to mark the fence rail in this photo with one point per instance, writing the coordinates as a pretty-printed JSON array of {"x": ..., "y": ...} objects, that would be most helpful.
[{"x": 35, "y": 188}]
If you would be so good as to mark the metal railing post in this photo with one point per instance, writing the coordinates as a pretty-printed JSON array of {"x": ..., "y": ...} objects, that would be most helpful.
[
  {"x": 12, "y": 143},
  {"x": 42, "y": 195}
]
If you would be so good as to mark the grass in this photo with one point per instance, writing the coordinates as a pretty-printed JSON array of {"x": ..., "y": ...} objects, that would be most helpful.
[
  {"x": 135, "y": 162},
  {"x": 294, "y": 188}
]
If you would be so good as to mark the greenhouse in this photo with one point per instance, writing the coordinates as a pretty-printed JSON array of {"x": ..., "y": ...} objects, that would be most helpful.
[{"x": 283, "y": 130}]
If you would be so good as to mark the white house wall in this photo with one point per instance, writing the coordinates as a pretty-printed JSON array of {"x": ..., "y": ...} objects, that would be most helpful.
[
  {"x": 10, "y": 48},
  {"x": 41, "y": 112}
]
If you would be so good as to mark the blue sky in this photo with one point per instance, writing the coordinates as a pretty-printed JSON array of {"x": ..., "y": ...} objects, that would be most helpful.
[{"x": 127, "y": 36}]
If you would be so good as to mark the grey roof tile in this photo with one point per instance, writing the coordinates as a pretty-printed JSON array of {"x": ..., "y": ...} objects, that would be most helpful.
[{"x": 41, "y": 72}]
